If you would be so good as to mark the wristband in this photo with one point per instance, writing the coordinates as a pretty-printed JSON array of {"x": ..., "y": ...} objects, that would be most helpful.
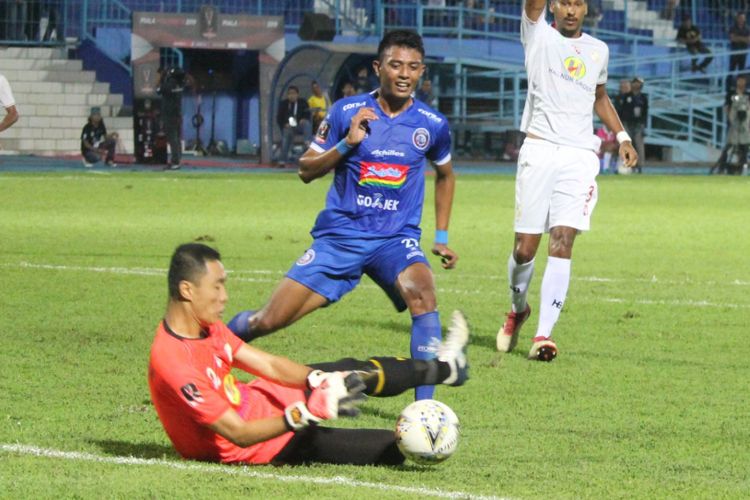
[
  {"x": 441, "y": 236},
  {"x": 623, "y": 136},
  {"x": 342, "y": 147}
]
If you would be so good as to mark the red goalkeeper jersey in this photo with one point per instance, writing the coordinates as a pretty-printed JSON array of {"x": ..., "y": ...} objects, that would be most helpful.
[{"x": 192, "y": 386}]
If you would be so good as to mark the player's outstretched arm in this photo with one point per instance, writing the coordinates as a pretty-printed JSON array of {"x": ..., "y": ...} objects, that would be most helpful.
[
  {"x": 607, "y": 113},
  {"x": 277, "y": 369},
  {"x": 11, "y": 117},
  {"x": 314, "y": 164},
  {"x": 534, "y": 8},
  {"x": 445, "y": 186},
  {"x": 248, "y": 432}
]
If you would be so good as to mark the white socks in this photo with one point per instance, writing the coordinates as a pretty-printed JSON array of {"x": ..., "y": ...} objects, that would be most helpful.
[
  {"x": 554, "y": 289},
  {"x": 519, "y": 276}
]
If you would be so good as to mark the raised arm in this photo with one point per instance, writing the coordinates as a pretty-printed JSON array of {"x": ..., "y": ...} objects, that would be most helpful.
[
  {"x": 606, "y": 112},
  {"x": 534, "y": 8}
]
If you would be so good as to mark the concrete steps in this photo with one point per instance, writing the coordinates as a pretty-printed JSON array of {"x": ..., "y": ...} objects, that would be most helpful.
[{"x": 54, "y": 97}]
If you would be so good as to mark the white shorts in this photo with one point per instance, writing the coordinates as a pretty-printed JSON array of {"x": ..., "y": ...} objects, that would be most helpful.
[{"x": 555, "y": 186}]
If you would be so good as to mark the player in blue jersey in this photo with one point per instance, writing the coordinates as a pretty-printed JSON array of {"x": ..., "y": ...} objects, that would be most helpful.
[{"x": 377, "y": 145}]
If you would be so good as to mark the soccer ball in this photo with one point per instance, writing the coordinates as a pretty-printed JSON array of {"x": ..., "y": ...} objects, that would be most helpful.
[{"x": 427, "y": 432}]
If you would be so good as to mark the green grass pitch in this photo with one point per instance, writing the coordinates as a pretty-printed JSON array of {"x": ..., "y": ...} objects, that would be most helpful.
[{"x": 647, "y": 399}]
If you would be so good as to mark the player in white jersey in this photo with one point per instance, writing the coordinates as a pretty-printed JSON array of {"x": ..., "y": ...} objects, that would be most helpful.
[
  {"x": 557, "y": 165},
  {"x": 9, "y": 103}
]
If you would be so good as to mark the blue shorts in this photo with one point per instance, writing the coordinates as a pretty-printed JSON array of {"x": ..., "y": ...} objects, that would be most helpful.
[{"x": 332, "y": 267}]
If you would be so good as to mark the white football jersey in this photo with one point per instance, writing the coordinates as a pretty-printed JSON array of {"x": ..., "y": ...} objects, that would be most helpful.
[
  {"x": 562, "y": 77},
  {"x": 6, "y": 95}
]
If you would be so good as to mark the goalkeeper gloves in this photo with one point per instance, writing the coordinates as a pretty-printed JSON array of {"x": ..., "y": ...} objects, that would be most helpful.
[{"x": 333, "y": 394}]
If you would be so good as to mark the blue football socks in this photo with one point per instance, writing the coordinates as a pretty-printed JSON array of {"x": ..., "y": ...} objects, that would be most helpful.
[{"x": 425, "y": 337}]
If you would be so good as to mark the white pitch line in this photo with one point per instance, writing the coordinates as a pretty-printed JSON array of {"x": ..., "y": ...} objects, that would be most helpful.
[
  {"x": 145, "y": 271},
  {"x": 243, "y": 471}
]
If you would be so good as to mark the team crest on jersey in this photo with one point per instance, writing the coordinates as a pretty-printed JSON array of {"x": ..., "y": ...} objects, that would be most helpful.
[
  {"x": 307, "y": 257},
  {"x": 323, "y": 130},
  {"x": 575, "y": 67},
  {"x": 388, "y": 175},
  {"x": 421, "y": 138}
]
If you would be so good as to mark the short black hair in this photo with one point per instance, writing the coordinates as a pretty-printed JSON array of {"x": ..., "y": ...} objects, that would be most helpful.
[
  {"x": 401, "y": 38},
  {"x": 189, "y": 264},
  {"x": 292, "y": 87}
]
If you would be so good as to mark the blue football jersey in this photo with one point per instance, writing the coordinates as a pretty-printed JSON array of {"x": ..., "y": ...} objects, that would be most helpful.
[{"x": 378, "y": 187}]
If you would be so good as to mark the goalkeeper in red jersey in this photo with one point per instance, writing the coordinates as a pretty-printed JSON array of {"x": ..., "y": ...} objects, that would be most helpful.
[{"x": 209, "y": 415}]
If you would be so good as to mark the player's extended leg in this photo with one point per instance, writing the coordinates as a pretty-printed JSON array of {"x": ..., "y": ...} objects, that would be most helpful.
[
  {"x": 316, "y": 444},
  {"x": 289, "y": 302},
  {"x": 520, "y": 272},
  {"x": 389, "y": 376},
  {"x": 417, "y": 288},
  {"x": 554, "y": 291}
]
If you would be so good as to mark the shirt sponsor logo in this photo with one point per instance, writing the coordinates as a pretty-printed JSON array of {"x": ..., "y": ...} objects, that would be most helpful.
[
  {"x": 421, "y": 138},
  {"x": 388, "y": 152},
  {"x": 353, "y": 105},
  {"x": 307, "y": 257},
  {"x": 575, "y": 67},
  {"x": 377, "y": 201},
  {"x": 191, "y": 394},
  {"x": 432, "y": 116},
  {"x": 388, "y": 175}
]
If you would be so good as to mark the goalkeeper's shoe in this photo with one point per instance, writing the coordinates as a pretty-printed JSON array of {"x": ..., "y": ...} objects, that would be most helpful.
[
  {"x": 240, "y": 325},
  {"x": 452, "y": 350},
  {"x": 543, "y": 349},
  {"x": 507, "y": 336}
]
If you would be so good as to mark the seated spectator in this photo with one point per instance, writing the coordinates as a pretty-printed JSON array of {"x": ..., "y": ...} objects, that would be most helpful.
[
  {"x": 607, "y": 150},
  {"x": 319, "y": 103},
  {"x": 293, "y": 118},
  {"x": 424, "y": 93},
  {"x": 690, "y": 35},
  {"x": 96, "y": 144},
  {"x": 365, "y": 82}
]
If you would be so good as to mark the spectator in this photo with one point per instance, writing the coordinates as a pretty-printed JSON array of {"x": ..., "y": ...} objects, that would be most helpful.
[
  {"x": 424, "y": 93},
  {"x": 293, "y": 117},
  {"x": 619, "y": 99},
  {"x": 9, "y": 103},
  {"x": 670, "y": 6},
  {"x": 593, "y": 14},
  {"x": 737, "y": 108},
  {"x": 347, "y": 89},
  {"x": 319, "y": 103},
  {"x": 96, "y": 144},
  {"x": 635, "y": 117},
  {"x": 690, "y": 35},
  {"x": 365, "y": 82},
  {"x": 608, "y": 149},
  {"x": 172, "y": 83},
  {"x": 739, "y": 39}
]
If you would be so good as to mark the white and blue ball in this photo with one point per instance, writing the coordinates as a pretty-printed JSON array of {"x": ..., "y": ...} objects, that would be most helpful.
[{"x": 427, "y": 432}]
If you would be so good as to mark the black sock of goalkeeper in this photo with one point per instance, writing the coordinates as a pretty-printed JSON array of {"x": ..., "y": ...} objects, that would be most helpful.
[{"x": 389, "y": 376}]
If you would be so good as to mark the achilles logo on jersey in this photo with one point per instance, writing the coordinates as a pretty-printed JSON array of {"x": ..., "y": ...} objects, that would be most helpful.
[
  {"x": 421, "y": 138},
  {"x": 575, "y": 67},
  {"x": 378, "y": 174},
  {"x": 307, "y": 257},
  {"x": 377, "y": 201},
  {"x": 191, "y": 393}
]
